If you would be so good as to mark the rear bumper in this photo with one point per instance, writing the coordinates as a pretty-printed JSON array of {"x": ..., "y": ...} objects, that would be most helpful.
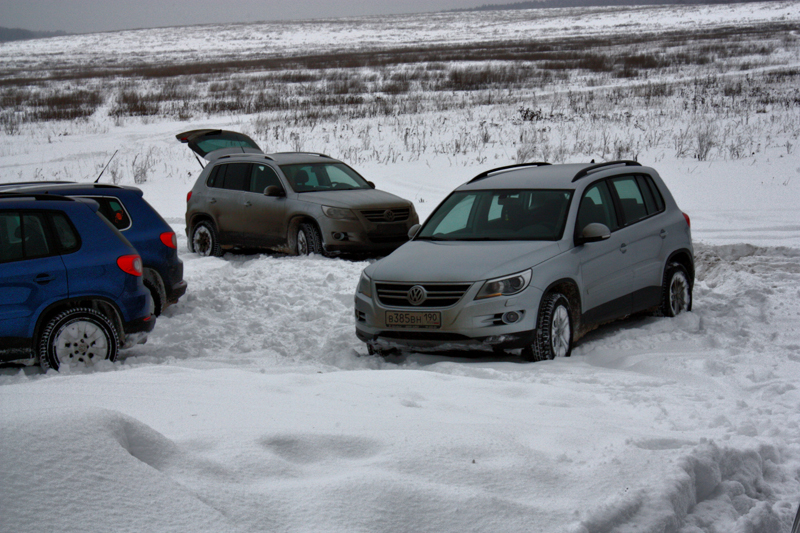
[
  {"x": 177, "y": 290},
  {"x": 136, "y": 331}
]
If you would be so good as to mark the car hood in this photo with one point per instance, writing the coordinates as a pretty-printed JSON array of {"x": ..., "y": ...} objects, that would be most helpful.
[
  {"x": 460, "y": 261},
  {"x": 354, "y": 199}
]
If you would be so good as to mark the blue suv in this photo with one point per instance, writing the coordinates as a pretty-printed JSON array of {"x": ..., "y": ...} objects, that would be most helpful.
[
  {"x": 130, "y": 213},
  {"x": 71, "y": 284}
]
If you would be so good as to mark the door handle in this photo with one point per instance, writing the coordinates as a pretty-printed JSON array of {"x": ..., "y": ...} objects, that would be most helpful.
[
  {"x": 44, "y": 279},
  {"x": 663, "y": 234},
  {"x": 623, "y": 247}
]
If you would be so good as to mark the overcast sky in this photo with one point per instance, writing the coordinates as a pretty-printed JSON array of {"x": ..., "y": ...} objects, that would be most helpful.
[{"x": 86, "y": 16}]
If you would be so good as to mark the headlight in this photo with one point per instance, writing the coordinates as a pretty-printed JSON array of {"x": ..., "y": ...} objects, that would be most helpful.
[
  {"x": 365, "y": 286},
  {"x": 338, "y": 213},
  {"x": 505, "y": 286}
]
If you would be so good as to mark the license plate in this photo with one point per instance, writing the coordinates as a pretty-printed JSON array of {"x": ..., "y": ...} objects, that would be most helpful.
[{"x": 413, "y": 319}]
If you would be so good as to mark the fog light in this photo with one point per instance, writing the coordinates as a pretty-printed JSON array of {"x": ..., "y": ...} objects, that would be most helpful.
[
  {"x": 511, "y": 317},
  {"x": 339, "y": 236}
]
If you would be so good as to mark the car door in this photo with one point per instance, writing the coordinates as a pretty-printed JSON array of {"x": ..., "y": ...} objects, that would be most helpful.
[
  {"x": 32, "y": 275},
  {"x": 226, "y": 202},
  {"x": 605, "y": 265},
  {"x": 265, "y": 215},
  {"x": 642, "y": 231}
]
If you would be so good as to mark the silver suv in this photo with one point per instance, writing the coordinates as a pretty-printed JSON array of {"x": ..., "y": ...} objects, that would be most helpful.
[
  {"x": 531, "y": 257},
  {"x": 294, "y": 202}
]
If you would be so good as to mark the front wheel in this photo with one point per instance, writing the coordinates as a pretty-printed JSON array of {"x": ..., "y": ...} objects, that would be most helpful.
[
  {"x": 553, "y": 336},
  {"x": 309, "y": 241},
  {"x": 676, "y": 291},
  {"x": 79, "y": 335}
]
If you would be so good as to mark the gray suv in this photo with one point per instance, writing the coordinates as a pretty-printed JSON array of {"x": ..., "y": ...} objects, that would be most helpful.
[
  {"x": 294, "y": 202},
  {"x": 531, "y": 257}
]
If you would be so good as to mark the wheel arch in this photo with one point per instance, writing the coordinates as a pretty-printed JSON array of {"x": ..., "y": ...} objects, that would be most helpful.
[
  {"x": 98, "y": 303},
  {"x": 294, "y": 225},
  {"x": 569, "y": 288},
  {"x": 683, "y": 257}
]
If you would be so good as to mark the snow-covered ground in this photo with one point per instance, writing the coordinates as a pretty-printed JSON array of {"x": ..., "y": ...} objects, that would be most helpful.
[{"x": 253, "y": 406}]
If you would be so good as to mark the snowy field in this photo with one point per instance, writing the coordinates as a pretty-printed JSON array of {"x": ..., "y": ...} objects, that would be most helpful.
[{"x": 253, "y": 406}]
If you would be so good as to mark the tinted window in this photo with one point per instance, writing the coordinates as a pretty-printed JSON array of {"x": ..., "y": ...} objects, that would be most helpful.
[
  {"x": 630, "y": 197},
  {"x": 10, "y": 237},
  {"x": 649, "y": 202},
  {"x": 659, "y": 200},
  {"x": 34, "y": 240},
  {"x": 65, "y": 233},
  {"x": 216, "y": 176},
  {"x": 237, "y": 176},
  {"x": 114, "y": 211},
  {"x": 261, "y": 177},
  {"x": 597, "y": 207}
]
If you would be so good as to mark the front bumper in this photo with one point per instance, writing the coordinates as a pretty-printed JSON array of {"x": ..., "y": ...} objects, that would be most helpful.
[
  {"x": 468, "y": 325},
  {"x": 362, "y": 235}
]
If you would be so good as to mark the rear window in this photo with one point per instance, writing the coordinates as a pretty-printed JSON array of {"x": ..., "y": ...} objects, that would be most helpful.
[{"x": 114, "y": 211}]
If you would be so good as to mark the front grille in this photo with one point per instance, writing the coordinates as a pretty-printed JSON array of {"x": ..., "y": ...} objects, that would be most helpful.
[
  {"x": 438, "y": 294},
  {"x": 392, "y": 214}
]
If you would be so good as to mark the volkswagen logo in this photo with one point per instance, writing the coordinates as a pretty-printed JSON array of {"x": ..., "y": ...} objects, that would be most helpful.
[
  {"x": 388, "y": 215},
  {"x": 416, "y": 295}
]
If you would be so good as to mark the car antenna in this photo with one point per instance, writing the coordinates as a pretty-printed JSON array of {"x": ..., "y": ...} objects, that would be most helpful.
[{"x": 105, "y": 167}]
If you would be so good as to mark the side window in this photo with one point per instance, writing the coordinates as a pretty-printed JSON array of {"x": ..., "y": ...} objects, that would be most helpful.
[
  {"x": 597, "y": 207},
  {"x": 237, "y": 176},
  {"x": 216, "y": 177},
  {"x": 630, "y": 197},
  {"x": 659, "y": 200},
  {"x": 647, "y": 194},
  {"x": 66, "y": 234},
  {"x": 114, "y": 211},
  {"x": 262, "y": 177},
  {"x": 10, "y": 237},
  {"x": 34, "y": 238}
]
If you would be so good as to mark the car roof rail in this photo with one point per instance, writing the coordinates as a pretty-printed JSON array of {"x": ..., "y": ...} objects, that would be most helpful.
[
  {"x": 508, "y": 167},
  {"x": 237, "y": 155},
  {"x": 35, "y": 196},
  {"x": 304, "y": 153},
  {"x": 582, "y": 173},
  {"x": 21, "y": 183}
]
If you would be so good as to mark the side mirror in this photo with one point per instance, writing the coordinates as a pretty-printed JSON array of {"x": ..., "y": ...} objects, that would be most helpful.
[
  {"x": 372, "y": 185},
  {"x": 413, "y": 230},
  {"x": 273, "y": 190},
  {"x": 593, "y": 232}
]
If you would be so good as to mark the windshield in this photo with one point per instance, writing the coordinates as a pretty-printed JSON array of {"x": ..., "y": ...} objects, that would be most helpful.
[
  {"x": 504, "y": 215},
  {"x": 307, "y": 177}
]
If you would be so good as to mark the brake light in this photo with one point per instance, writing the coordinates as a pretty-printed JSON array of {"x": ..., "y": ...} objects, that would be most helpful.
[
  {"x": 188, "y": 197},
  {"x": 169, "y": 239},
  {"x": 130, "y": 264},
  {"x": 688, "y": 222}
]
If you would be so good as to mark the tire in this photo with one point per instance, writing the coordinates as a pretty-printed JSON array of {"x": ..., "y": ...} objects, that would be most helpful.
[
  {"x": 79, "y": 335},
  {"x": 156, "y": 298},
  {"x": 553, "y": 336},
  {"x": 676, "y": 291},
  {"x": 308, "y": 240},
  {"x": 204, "y": 240}
]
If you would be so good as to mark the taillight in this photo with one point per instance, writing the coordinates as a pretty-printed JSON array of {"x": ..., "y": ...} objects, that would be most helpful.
[
  {"x": 188, "y": 197},
  {"x": 130, "y": 264},
  {"x": 169, "y": 239},
  {"x": 688, "y": 222}
]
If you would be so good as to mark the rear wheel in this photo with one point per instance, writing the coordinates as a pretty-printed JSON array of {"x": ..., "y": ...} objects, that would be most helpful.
[
  {"x": 204, "y": 240},
  {"x": 676, "y": 291},
  {"x": 553, "y": 337},
  {"x": 79, "y": 335},
  {"x": 309, "y": 241}
]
